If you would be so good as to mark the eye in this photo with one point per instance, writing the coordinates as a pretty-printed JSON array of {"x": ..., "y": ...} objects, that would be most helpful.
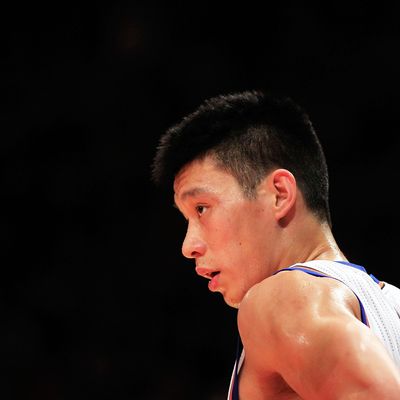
[{"x": 200, "y": 209}]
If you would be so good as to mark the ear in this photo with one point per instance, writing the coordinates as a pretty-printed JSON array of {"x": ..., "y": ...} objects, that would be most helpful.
[{"x": 283, "y": 185}]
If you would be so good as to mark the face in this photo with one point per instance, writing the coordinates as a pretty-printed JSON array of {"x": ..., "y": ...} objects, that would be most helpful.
[{"x": 228, "y": 236}]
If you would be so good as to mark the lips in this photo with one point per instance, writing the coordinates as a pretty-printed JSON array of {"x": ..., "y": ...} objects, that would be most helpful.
[
  {"x": 214, "y": 283},
  {"x": 207, "y": 273},
  {"x": 211, "y": 274}
]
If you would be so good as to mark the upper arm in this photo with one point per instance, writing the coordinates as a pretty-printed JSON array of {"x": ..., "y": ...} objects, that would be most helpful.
[{"x": 305, "y": 329}]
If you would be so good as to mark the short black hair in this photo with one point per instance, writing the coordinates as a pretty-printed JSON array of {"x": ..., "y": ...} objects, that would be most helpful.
[{"x": 249, "y": 134}]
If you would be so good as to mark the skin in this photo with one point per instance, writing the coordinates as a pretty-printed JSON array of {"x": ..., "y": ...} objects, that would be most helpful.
[{"x": 317, "y": 348}]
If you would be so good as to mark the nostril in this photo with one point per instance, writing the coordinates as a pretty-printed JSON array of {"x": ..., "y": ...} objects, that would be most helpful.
[{"x": 195, "y": 254}]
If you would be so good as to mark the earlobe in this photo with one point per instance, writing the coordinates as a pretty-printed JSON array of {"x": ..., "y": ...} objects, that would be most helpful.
[{"x": 285, "y": 191}]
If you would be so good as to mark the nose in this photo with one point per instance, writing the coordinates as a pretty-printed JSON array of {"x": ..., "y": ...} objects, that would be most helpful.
[{"x": 193, "y": 246}]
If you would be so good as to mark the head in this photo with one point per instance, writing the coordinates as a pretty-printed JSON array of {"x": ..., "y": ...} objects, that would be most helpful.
[{"x": 225, "y": 149}]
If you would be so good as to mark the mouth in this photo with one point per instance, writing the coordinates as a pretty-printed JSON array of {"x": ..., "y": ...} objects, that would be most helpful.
[
  {"x": 214, "y": 283},
  {"x": 207, "y": 273},
  {"x": 211, "y": 274}
]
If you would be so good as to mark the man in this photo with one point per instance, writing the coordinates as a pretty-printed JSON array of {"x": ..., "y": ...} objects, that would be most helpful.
[{"x": 250, "y": 177}]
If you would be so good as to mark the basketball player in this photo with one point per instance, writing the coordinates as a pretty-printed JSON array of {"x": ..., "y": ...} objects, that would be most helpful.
[{"x": 250, "y": 177}]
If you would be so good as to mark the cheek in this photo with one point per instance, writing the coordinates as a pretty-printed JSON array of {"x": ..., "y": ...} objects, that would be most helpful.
[
  {"x": 240, "y": 232},
  {"x": 233, "y": 238},
  {"x": 249, "y": 245}
]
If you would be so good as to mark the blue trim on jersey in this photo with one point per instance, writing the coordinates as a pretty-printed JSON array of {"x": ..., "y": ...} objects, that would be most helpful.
[
  {"x": 235, "y": 388},
  {"x": 358, "y": 267}
]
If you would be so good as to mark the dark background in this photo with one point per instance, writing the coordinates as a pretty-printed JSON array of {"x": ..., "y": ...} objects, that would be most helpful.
[{"x": 96, "y": 301}]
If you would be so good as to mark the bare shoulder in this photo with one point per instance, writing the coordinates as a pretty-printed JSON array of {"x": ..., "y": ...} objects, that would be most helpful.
[
  {"x": 288, "y": 306},
  {"x": 293, "y": 293},
  {"x": 301, "y": 328}
]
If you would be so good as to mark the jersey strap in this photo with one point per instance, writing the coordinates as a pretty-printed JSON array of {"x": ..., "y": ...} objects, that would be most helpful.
[{"x": 358, "y": 267}]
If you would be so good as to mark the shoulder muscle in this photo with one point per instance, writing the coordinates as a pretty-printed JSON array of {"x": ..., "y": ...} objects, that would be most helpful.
[{"x": 305, "y": 329}]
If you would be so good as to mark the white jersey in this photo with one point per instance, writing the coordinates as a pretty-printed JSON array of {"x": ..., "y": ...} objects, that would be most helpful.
[{"x": 380, "y": 307}]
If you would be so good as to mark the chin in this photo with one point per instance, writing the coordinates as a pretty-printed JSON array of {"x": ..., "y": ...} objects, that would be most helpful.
[
  {"x": 234, "y": 303},
  {"x": 234, "y": 297}
]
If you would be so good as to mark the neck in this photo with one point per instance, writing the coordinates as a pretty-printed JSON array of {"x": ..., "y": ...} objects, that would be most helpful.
[
  {"x": 326, "y": 247},
  {"x": 317, "y": 243}
]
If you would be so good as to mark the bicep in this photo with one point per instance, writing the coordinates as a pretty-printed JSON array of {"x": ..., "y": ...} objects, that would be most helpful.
[{"x": 339, "y": 357}]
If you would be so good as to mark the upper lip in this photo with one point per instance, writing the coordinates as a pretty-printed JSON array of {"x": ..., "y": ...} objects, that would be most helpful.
[{"x": 206, "y": 272}]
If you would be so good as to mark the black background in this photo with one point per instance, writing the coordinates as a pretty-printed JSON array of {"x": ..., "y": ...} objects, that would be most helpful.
[{"x": 96, "y": 301}]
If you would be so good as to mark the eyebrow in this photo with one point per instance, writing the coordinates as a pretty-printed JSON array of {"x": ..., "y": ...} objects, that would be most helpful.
[{"x": 192, "y": 193}]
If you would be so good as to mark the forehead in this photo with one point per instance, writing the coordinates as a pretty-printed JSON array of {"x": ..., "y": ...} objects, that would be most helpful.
[{"x": 201, "y": 177}]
